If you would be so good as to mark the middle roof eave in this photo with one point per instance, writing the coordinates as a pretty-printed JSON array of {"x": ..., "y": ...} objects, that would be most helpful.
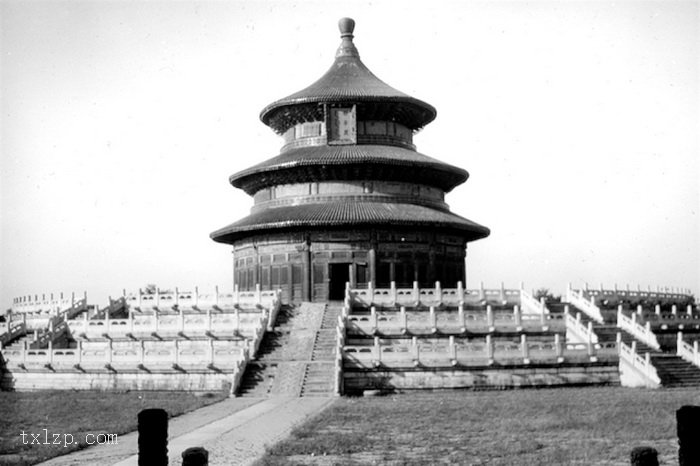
[{"x": 447, "y": 176}]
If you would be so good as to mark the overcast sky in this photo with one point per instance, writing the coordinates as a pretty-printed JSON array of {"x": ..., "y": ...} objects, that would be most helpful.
[{"x": 121, "y": 122}]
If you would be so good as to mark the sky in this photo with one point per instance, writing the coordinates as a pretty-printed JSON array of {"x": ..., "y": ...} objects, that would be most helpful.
[{"x": 121, "y": 122}]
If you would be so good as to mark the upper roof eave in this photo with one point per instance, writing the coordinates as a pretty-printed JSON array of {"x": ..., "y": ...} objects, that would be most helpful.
[{"x": 349, "y": 80}]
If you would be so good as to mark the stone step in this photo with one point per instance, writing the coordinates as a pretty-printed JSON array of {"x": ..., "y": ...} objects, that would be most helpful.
[
  {"x": 557, "y": 308},
  {"x": 326, "y": 341},
  {"x": 257, "y": 380},
  {"x": 330, "y": 346},
  {"x": 325, "y": 344},
  {"x": 18, "y": 343},
  {"x": 330, "y": 321},
  {"x": 325, "y": 348},
  {"x": 675, "y": 372},
  {"x": 319, "y": 379},
  {"x": 319, "y": 369}
]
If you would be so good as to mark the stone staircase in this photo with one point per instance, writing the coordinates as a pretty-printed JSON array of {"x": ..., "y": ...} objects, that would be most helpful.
[
  {"x": 296, "y": 358},
  {"x": 674, "y": 371},
  {"x": 18, "y": 343},
  {"x": 607, "y": 332},
  {"x": 117, "y": 309},
  {"x": 326, "y": 338},
  {"x": 257, "y": 379},
  {"x": 671, "y": 369},
  {"x": 319, "y": 378}
]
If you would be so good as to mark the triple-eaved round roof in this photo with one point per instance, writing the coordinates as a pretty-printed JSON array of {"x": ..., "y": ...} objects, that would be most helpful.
[{"x": 349, "y": 80}]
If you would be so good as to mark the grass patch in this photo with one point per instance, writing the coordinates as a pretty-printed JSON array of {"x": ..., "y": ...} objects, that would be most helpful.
[
  {"x": 547, "y": 426},
  {"x": 78, "y": 413}
]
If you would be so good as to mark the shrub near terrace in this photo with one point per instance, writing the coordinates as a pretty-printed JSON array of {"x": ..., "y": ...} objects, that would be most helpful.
[{"x": 546, "y": 426}]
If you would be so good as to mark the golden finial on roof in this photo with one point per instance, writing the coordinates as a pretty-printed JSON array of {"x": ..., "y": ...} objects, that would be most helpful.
[
  {"x": 347, "y": 48},
  {"x": 346, "y": 26}
]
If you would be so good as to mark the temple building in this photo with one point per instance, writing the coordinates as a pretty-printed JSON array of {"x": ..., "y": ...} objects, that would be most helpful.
[{"x": 348, "y": 199}]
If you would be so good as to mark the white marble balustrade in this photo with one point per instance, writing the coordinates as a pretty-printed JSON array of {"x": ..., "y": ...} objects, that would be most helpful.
[
  {"x": 451, "y": 353},
  {"x": 430, "y": 321},
  {"x": 642, "y": 332},
  {"x": 688, "y": 352},
  {"x": 45, "y": 303},
  {"x": 437, "y": 296},
  {"x": 684, "y": 318},
  {"x": 576, "y": 331},
  {"x": 587, "y": 305},
  {"x": 641, "y": 365},
  {"x": 132, "y": 356},
  {"x": 11, "y": 330},
  {"x": 179, "y": 299},
  {"x": 39, "y": 320},
  {"x": 530, "y": 305},
  {"x": 245, "y": 324},
  {"x": 667, "y": 294}
]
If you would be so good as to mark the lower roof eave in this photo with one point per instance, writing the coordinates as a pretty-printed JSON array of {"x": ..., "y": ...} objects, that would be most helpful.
[{"x": 230, "y": 234}]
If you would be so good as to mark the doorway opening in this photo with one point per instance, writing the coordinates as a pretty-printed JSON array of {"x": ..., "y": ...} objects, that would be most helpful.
[{"x": 339, "y": 274}]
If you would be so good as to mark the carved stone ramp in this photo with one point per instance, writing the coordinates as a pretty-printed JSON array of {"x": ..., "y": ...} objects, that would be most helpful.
[
  {"x": 281, "y": 367},
  {"x": 234, "y": 431},
  {"x": 319, "y": 378}
]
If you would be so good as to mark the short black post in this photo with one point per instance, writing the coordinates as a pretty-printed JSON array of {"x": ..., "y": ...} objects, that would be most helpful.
[
  {"x": 688, "y": 424},
  {"x": 195, "y": 456},
  {"x": 644, "y": 456},
  {"x": 153, "y": 437}
]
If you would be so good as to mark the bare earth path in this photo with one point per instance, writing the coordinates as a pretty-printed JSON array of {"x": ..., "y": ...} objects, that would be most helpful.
[{"x": 234, "y": 431}]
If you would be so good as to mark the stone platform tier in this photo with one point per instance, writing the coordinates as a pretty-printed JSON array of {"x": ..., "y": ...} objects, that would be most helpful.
[
  {"x": 197, "y": 342},
  {"x": 436, "y": 338},
  {"x": 175, "y": 355},
  {"x": 452, "y": 352},
  {"x": 646, "y": 325},
  {"x": 152, "y": 365}
]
